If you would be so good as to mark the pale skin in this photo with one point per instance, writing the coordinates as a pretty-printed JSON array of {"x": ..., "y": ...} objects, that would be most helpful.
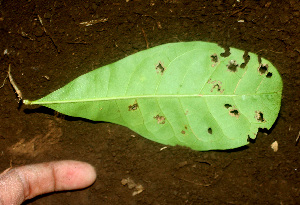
[{"x": 26, "y": 182}]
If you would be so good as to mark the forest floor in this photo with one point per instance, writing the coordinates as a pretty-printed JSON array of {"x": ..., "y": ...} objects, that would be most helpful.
[{"x": 47, "y": 47}]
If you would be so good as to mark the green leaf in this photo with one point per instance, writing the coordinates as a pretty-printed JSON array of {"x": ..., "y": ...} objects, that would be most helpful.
[{"x": 178, "y": 94}]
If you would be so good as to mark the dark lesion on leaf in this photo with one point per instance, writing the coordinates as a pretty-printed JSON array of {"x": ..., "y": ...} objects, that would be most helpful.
[
  {"x": 160, "y": 68},
  {"x": 133, "y": 107},
  {"x": 259, "y": 116},
  {"x": 216, "y": 85},
  {"x": 214, "y": 59},
  {"x": 234, "y": 112},
  {"x": 269, "y": 75},
  {"x": 232, "y": 66},
  {"x": 227, "y": 106},
  {"x": 263, "y": 68},
  {"x": 209, "y": 130},
  {"x": 160, "y": 119}
]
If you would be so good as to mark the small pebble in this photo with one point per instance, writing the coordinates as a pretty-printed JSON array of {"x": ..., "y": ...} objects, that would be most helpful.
[{"x": 274, "y": 146}]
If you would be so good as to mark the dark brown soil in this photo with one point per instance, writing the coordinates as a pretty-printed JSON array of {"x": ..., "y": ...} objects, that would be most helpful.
[{"x": 45, "y": 61}]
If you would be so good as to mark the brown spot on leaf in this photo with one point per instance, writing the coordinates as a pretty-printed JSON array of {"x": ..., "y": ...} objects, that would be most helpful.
[
  {"x": 259, "y": 116},
  {"x": 214, "y": 58},
  {"x": 263, "y": 68},
  {"x": 160, "y": 68},
  {"x": 216, "y": 85},
  {"x": 183, "y": 131},
  {"x": 234, "y": 112},
  {"x": 219, "y": 88},
  {"x": 133, "y": 107},
  {"x": 232, "y": 66},
  {"x": 160, "y": 119}
]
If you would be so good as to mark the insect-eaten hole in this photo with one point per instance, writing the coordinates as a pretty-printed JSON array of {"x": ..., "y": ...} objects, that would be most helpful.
[
  {"x": 219, "y": 88},
  {"x": 209, "y": 130},
  {"x": 250, "y": 140},
  {"x": 234, "y": 112},
  {"x": 214, "y": 58},
  {"x": 259, "y": 58},
  {"x": 216, "y": 85},
  {"x": 232, "y": 66},
  {"x": 269, "y": 75},
  {"x": 227, "y": 106},
  {"x": 263, "y": 68},
  {"x": 259, "y": 116},
  {"x": 160, "y": 68},
  {"x": 226, "y": 52},
  {"x": 160, "y": 119},
  {"x": 246, "y": 58},
  {"x": 133, "y": 107}
]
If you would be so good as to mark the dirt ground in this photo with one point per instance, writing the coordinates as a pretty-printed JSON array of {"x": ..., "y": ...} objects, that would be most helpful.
[{"x": 49, "y": 52}]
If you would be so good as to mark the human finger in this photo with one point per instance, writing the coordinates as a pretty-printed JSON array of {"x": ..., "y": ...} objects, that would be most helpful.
[{"x": 26, "y": 182}]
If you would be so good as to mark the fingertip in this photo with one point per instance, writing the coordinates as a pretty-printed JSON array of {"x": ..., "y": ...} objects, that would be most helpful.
[
  {"x": 86, "y": 174},
  {"x": 74, "y": 175}
]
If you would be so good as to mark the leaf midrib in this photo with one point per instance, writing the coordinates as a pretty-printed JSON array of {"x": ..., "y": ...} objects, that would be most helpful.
[{"x": 140, "y": 97}]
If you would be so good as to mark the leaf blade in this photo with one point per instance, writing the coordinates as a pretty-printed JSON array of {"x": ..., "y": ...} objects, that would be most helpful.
[{"x": 178, "y": 94}]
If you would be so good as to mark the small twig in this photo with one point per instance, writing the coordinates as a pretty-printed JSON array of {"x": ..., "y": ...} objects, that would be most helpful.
[
  {"x": 269, "y": 50},
  {"x": 237, "y": 11},
  {"x": 198, "y": 184},
  {"x": 4, "y": 81},
  {"x": 145, "y": 36},
  {"x": 92, "y": 22},
  {"x": 297, "y": 139},
  {"x": 14, "y": 85},
  {"x": 47, "y": 33},
  {"x": 85, "y": 43}
]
